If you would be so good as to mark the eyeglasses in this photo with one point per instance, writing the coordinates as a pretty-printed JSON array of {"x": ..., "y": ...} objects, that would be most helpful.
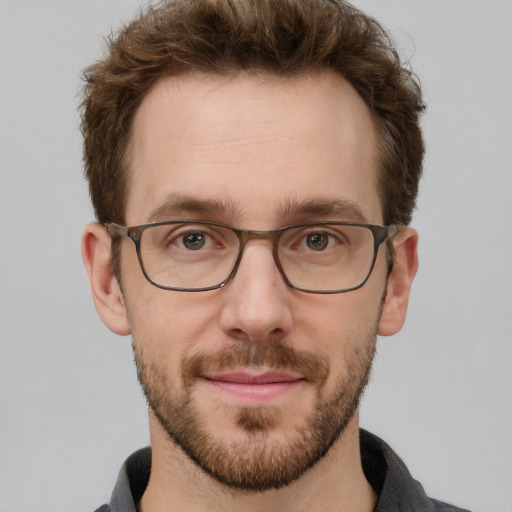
[{"x": 314, "y": 257}]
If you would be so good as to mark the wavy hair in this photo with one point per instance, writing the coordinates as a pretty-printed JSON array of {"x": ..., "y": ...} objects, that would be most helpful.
[{"x": 282, "y": 37}]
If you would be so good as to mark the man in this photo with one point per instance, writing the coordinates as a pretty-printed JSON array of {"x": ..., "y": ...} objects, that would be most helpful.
[{"x": 253, "y": 166}]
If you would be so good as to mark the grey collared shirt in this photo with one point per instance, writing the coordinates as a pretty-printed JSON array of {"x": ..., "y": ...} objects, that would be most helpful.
[{"x": 397, "y": 490}]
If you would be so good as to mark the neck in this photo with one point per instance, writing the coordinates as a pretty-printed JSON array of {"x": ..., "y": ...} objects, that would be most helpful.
[{"x": 336, "y": 482}]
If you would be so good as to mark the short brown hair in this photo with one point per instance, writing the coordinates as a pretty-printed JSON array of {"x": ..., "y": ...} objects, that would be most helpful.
[{"x": 283, "y": 37}]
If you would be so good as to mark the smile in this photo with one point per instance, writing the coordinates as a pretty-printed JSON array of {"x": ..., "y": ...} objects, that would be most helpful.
[{"x": 257, "y": 388}]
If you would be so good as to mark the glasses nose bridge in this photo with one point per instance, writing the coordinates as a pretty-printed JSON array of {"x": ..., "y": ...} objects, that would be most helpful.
[{"x": 245, "y": 235}]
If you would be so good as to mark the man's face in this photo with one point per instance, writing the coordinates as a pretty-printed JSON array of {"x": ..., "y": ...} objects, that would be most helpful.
[{"x": 255, "y": 381}]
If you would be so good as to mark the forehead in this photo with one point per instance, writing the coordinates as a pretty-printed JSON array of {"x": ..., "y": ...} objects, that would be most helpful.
[{"x": 252, "y": 144}]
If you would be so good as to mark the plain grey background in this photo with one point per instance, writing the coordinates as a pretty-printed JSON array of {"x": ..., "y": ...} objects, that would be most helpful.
[{"x": 441, "y": 392}]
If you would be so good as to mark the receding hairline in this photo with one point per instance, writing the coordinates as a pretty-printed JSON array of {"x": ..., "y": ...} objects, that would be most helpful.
[
  {"x": 220, "y": 37},
  {"x": 261, "y": 77}
]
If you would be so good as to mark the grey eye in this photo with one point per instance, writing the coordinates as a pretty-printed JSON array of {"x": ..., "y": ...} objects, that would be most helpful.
[
  {"x": 317, "y": 241},
  {"x": 194, "y": 241}
]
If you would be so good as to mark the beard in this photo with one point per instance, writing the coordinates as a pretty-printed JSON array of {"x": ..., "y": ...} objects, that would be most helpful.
[{"x": 258, "y": 460}]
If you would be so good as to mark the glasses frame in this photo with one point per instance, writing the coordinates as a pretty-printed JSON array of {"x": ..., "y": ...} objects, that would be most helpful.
[{"x": 380, "y": 234}]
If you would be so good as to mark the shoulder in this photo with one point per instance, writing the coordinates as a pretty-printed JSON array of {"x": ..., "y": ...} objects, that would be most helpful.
[
  {"x": 398, "y": 491},
  {"x": 445, "y": 507},
  {"x": 131, "y": 483}
]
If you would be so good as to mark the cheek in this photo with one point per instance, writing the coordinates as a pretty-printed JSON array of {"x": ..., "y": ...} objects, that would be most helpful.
[
  {"x": 330, "y": 320},
  {"x": 340, "y": 327},
  {"x": 169, "y": 325}
]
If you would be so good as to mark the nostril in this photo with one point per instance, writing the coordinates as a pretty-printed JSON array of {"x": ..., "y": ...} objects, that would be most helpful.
[{"x": 239, "y": 334}]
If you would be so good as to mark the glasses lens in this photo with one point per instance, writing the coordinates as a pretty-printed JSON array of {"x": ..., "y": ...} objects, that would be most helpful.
[
  {"x": 188, "y": 255},
  {"x": 326, "y": 257}
]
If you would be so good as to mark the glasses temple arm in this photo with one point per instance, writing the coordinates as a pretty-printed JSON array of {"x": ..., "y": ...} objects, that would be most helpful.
[{"x": 115, "y": 230}]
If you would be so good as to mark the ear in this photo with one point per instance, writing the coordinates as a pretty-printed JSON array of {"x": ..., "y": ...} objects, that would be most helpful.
[
  {"x": 399, "y": 283},
  {"x": 106, "y": 292}
]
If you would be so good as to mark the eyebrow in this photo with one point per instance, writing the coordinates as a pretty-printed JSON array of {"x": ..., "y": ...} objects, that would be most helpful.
[
  {"x": 338, "y": 209},
  {"x": 178, "y": 204}
]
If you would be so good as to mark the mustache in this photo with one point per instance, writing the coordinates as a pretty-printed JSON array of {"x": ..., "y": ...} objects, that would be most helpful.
[{"x": 274, "y": 354}]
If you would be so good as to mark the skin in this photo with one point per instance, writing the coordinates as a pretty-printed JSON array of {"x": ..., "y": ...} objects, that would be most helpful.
[{"x": 255, "y": 144}]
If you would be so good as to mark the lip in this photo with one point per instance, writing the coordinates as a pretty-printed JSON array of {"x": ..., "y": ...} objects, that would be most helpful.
[{"x": 255, "y": 388}]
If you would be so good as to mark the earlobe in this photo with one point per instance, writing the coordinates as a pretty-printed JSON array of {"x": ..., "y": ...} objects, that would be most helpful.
[
  {"x": 399, "y": 283},
  {"x": 106, "y": 293}
]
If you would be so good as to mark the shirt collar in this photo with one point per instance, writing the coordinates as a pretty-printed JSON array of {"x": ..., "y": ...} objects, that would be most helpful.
[{"x": 388, "y": 475}]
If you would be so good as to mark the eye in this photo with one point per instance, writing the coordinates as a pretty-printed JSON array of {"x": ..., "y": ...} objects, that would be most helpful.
[
  {"x": 193, "y": 241},
  {"x": 317, "y": 241}
]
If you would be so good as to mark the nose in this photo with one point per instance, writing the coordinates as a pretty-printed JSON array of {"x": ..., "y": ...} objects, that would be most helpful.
[{"x": 257, "y": 300}]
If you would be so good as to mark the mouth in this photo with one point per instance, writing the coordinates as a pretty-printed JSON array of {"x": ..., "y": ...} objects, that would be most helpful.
[{"x": 255, "y": 387}]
